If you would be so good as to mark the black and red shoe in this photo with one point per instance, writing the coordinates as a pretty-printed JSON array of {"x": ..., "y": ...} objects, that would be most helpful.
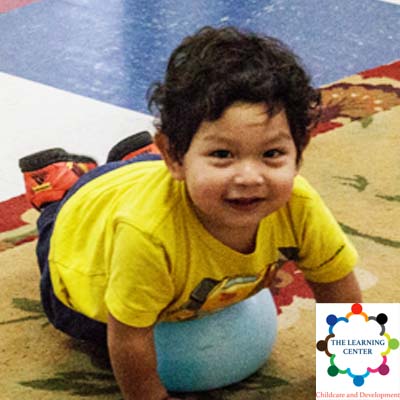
[
  {"x": 49, "y": 174},
  {"x": 132, "y": 146}
]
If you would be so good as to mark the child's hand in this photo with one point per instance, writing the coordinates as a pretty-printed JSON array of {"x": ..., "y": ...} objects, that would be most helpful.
[
  {"x": 134, "y": 362},
  {"x": 345, "y": 290}
]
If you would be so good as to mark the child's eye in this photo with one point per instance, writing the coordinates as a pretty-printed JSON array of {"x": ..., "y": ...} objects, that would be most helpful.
[
  {"x": 273, "y": 153},
  {"x": 221, "y": 154}
]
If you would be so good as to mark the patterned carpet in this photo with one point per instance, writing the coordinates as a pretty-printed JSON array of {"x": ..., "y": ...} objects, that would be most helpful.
[{"x": 354, "y": 163}]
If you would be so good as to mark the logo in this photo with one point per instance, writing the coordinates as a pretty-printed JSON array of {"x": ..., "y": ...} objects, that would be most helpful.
[
  {"x": 357, "y": 348},
  {"x": 39, "y": 177}
]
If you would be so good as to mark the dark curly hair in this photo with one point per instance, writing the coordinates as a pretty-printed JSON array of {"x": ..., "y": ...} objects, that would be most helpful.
[{"x": 214, "y": 68}]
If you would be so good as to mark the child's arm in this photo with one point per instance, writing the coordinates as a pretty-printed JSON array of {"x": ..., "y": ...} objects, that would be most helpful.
[
  {"x": 134, "y": 362},
  {"x": 345, "y": 290}
]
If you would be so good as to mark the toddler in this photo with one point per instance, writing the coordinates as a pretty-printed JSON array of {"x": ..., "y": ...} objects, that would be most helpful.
[{"x": 196, "y": 221}]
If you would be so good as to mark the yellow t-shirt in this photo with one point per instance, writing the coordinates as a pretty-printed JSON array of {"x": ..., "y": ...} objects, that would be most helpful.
[{"x": 129, "y": 243}]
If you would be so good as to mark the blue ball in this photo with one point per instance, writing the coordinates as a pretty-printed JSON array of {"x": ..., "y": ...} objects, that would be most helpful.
[{"x": 219, "y": 349}]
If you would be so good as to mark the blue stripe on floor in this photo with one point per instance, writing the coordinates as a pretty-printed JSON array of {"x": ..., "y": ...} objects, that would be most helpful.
[{"x": 112, "y": 50}]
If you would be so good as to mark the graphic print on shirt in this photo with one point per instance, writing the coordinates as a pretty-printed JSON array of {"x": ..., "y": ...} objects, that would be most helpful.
[{"x": 212, "y": 295}]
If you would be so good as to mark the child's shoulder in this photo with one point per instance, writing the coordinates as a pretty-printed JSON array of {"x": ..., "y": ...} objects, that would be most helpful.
[
  {"x": 141, "y": 193},
  {"x": 303, "y": 190},
  {"x": 152, "y": 199},
  {"x": 306, "y": 204},
  {"x": 305, "y": 197}
]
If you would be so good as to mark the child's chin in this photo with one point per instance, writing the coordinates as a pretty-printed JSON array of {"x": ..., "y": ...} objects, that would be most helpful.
[{"x": 247, "y": 223}]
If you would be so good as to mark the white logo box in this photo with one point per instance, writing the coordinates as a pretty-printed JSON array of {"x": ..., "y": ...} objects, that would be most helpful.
[{"x": 357, "y": 350}]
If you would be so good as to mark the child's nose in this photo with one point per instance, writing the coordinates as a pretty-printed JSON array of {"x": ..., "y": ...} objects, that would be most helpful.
[{"x": 248, "y": 173}]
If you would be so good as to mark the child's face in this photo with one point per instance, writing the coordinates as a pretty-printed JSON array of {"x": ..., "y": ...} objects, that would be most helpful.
[{"x": 239, "y": 168}]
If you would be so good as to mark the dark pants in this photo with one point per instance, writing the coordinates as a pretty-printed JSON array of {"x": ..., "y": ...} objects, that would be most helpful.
[{"x": 63, "y": 318}]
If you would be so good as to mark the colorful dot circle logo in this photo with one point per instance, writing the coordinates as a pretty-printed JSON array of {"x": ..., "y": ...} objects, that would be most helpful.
[{"x": 357, "y": 345}]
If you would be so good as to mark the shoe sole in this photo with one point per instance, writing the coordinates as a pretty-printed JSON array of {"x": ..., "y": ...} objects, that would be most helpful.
[
  {"x": 129, "y": 145},
  {"x": 44, "y": 158}
]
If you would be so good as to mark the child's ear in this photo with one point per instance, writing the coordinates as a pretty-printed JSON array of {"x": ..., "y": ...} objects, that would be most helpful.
[{"x": 175, "y": 166}]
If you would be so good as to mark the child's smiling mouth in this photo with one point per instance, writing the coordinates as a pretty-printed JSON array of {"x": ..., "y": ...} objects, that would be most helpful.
[{"x": 245, "y": 203}]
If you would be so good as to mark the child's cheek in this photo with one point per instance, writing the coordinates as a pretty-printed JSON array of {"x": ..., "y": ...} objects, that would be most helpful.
[
  {"x": 205, "y": 191},
  {"x": 286, "y": 189}
]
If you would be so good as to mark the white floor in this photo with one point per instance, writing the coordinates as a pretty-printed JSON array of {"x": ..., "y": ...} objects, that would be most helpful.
[
  {"x": 34, "y": 117},
  {"x": 392, "y": 1}
]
